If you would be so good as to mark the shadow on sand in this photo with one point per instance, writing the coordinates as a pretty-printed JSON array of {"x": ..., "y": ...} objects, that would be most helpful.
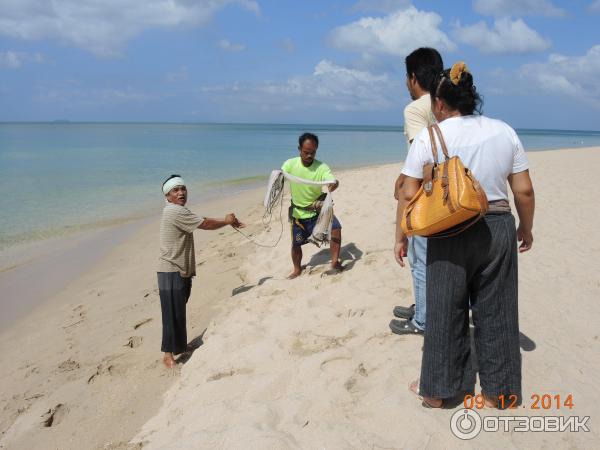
[
  {"x": 246, "y": 287},
  {"x": 192, "y": 346},
  {"x": 349, "y": 254}
]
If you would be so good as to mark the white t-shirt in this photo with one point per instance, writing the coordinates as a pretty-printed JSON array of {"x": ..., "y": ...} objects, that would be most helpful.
[
  {"x": 488, "y": 147},
  {"x": 417, "y": 115}
]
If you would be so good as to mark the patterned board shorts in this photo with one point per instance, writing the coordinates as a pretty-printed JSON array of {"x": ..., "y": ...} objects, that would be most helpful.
[{"x": 303, "y": 228}]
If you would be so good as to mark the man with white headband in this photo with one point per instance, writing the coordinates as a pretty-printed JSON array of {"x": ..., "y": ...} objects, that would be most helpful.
[{"x": 177, "y": 264}]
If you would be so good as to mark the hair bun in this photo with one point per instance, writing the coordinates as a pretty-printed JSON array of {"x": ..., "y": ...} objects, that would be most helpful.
[{"x": 457, "y": 71}]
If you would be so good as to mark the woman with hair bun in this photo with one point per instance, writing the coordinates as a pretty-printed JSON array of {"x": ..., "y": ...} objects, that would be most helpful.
[{"x": 479, "y": 265}]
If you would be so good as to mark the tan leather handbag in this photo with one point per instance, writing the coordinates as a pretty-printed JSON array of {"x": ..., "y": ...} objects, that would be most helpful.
[{"x": 449, "y": 200}]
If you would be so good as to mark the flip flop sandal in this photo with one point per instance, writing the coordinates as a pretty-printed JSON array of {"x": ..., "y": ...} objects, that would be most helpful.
[
  {"x": 404, "y": 327},
  {"x": 402, "y": 312}
]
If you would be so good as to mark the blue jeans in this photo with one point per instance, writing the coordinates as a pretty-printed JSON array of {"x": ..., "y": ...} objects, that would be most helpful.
[{"x": 417, "y": 258}]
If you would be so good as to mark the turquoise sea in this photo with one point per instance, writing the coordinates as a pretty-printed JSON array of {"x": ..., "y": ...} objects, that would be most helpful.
[{"x": 57, "y": 178}]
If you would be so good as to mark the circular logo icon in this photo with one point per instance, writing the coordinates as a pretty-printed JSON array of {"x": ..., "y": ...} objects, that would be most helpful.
[{"x": 465, "y": 424}]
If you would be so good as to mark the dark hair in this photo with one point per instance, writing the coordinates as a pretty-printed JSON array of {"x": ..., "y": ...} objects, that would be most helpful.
[
  {"x": 172, "y": 176},
  {"x": 424, "y": 63},
  {"x": 310, "y": 137},
  {"x": 462, "y": 96}
]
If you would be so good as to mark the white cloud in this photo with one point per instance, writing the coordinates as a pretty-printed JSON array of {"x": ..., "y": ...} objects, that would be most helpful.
[
  {"x": 104, "y": 26},
  {"x": 507, "y": 36},
  {"x": 329, "y": 88},
  {"x": 397, "y": 34},
  {"x": 575, "y": 76},
  {"x": 14, "y": 60},
  {"x": 516, "y": 8},
  {"x": 595, "y": 6},
  {"x": 226, "y": 45},
  {"x": 385, "y": 6}
]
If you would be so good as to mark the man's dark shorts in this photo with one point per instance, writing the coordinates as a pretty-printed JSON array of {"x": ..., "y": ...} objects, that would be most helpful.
[{"x": 303, "y": 228}]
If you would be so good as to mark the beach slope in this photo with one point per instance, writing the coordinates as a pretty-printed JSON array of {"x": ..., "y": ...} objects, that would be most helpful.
[{"x": 311, "y": 363}]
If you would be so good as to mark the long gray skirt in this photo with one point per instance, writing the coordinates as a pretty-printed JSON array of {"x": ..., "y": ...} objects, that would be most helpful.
[{"x": 477, "y": 266}]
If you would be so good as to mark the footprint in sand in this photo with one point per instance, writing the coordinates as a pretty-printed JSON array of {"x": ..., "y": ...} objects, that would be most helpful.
[
  {"x": 350, "y": 384},
  {"x": 20, "y": 405},
  {"x": 107, "y": 368},
  {"x": 310, "y": 270},
  {"x": 68, "y": 365},
  {"x": 229, "y": 373},
  {"x": 306, "y": 344},
  {"x": 356, "y": 312},
  {"x": 77, "y": 317},
  {"x": 134, "y": 341},
  {"x": 352, "y": 313},
  {"x": 54, "y": 416},
  {"x": 31, "y": 371},
  {"x": 101, "y": 369}
]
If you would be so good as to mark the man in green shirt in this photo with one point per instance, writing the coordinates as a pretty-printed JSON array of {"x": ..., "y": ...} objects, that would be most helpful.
[{"x": 304, "y": 217}]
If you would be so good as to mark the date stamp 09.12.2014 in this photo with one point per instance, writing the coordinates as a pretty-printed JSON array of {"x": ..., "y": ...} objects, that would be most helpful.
[{"x": 512, "y": 401}]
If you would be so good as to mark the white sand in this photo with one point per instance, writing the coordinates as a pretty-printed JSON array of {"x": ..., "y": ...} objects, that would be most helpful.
[
  {"x": 308, "y": 363},
  {"x": 94, "y": 348}
]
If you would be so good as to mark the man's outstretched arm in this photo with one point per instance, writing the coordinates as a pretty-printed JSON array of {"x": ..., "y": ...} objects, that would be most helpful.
[{"x": 214, "y": 224}]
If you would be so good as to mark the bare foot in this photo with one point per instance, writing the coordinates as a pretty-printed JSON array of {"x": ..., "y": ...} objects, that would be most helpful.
[
  {"x": 337, "y": 266},
  {"x": 335, "y": 269},
  {"x": 169, "y": 361},
  {"x": 294, "y": 274},
  {"x": 490, "y": 402},
  {"x": 428, "y": 402}
]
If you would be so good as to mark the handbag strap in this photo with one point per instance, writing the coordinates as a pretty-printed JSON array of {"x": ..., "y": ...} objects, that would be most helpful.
[
  {"x": 433, "y": 145},
  {"x": 441, "y": 138}
]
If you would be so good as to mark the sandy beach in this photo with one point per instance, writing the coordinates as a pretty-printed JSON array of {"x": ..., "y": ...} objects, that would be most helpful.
[{"x": 306, "y": 363}]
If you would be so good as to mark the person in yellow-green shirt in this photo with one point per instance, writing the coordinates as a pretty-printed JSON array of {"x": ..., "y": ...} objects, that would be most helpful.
[{"x": 303, "y": 216}]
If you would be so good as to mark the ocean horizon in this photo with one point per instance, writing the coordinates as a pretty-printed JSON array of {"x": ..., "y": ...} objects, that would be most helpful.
[{"x": 62, "y": 177}]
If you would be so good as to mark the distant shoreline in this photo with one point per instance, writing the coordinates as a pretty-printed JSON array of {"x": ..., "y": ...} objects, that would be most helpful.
[{"x": 314, "y": 126}]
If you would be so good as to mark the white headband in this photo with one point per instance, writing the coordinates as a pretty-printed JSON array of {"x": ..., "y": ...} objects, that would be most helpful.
[{"x": 170, "y": 184}]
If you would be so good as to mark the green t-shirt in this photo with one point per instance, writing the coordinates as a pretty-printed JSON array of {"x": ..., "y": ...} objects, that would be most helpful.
[{"x": 304, "y": 194}]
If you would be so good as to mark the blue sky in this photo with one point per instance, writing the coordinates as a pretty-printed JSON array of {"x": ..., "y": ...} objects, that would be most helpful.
[{"x": 536, "y": 62}]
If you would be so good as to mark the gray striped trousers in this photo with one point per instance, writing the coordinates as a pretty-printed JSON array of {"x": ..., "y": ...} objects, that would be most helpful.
[{"x": 479, "y": 266}]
